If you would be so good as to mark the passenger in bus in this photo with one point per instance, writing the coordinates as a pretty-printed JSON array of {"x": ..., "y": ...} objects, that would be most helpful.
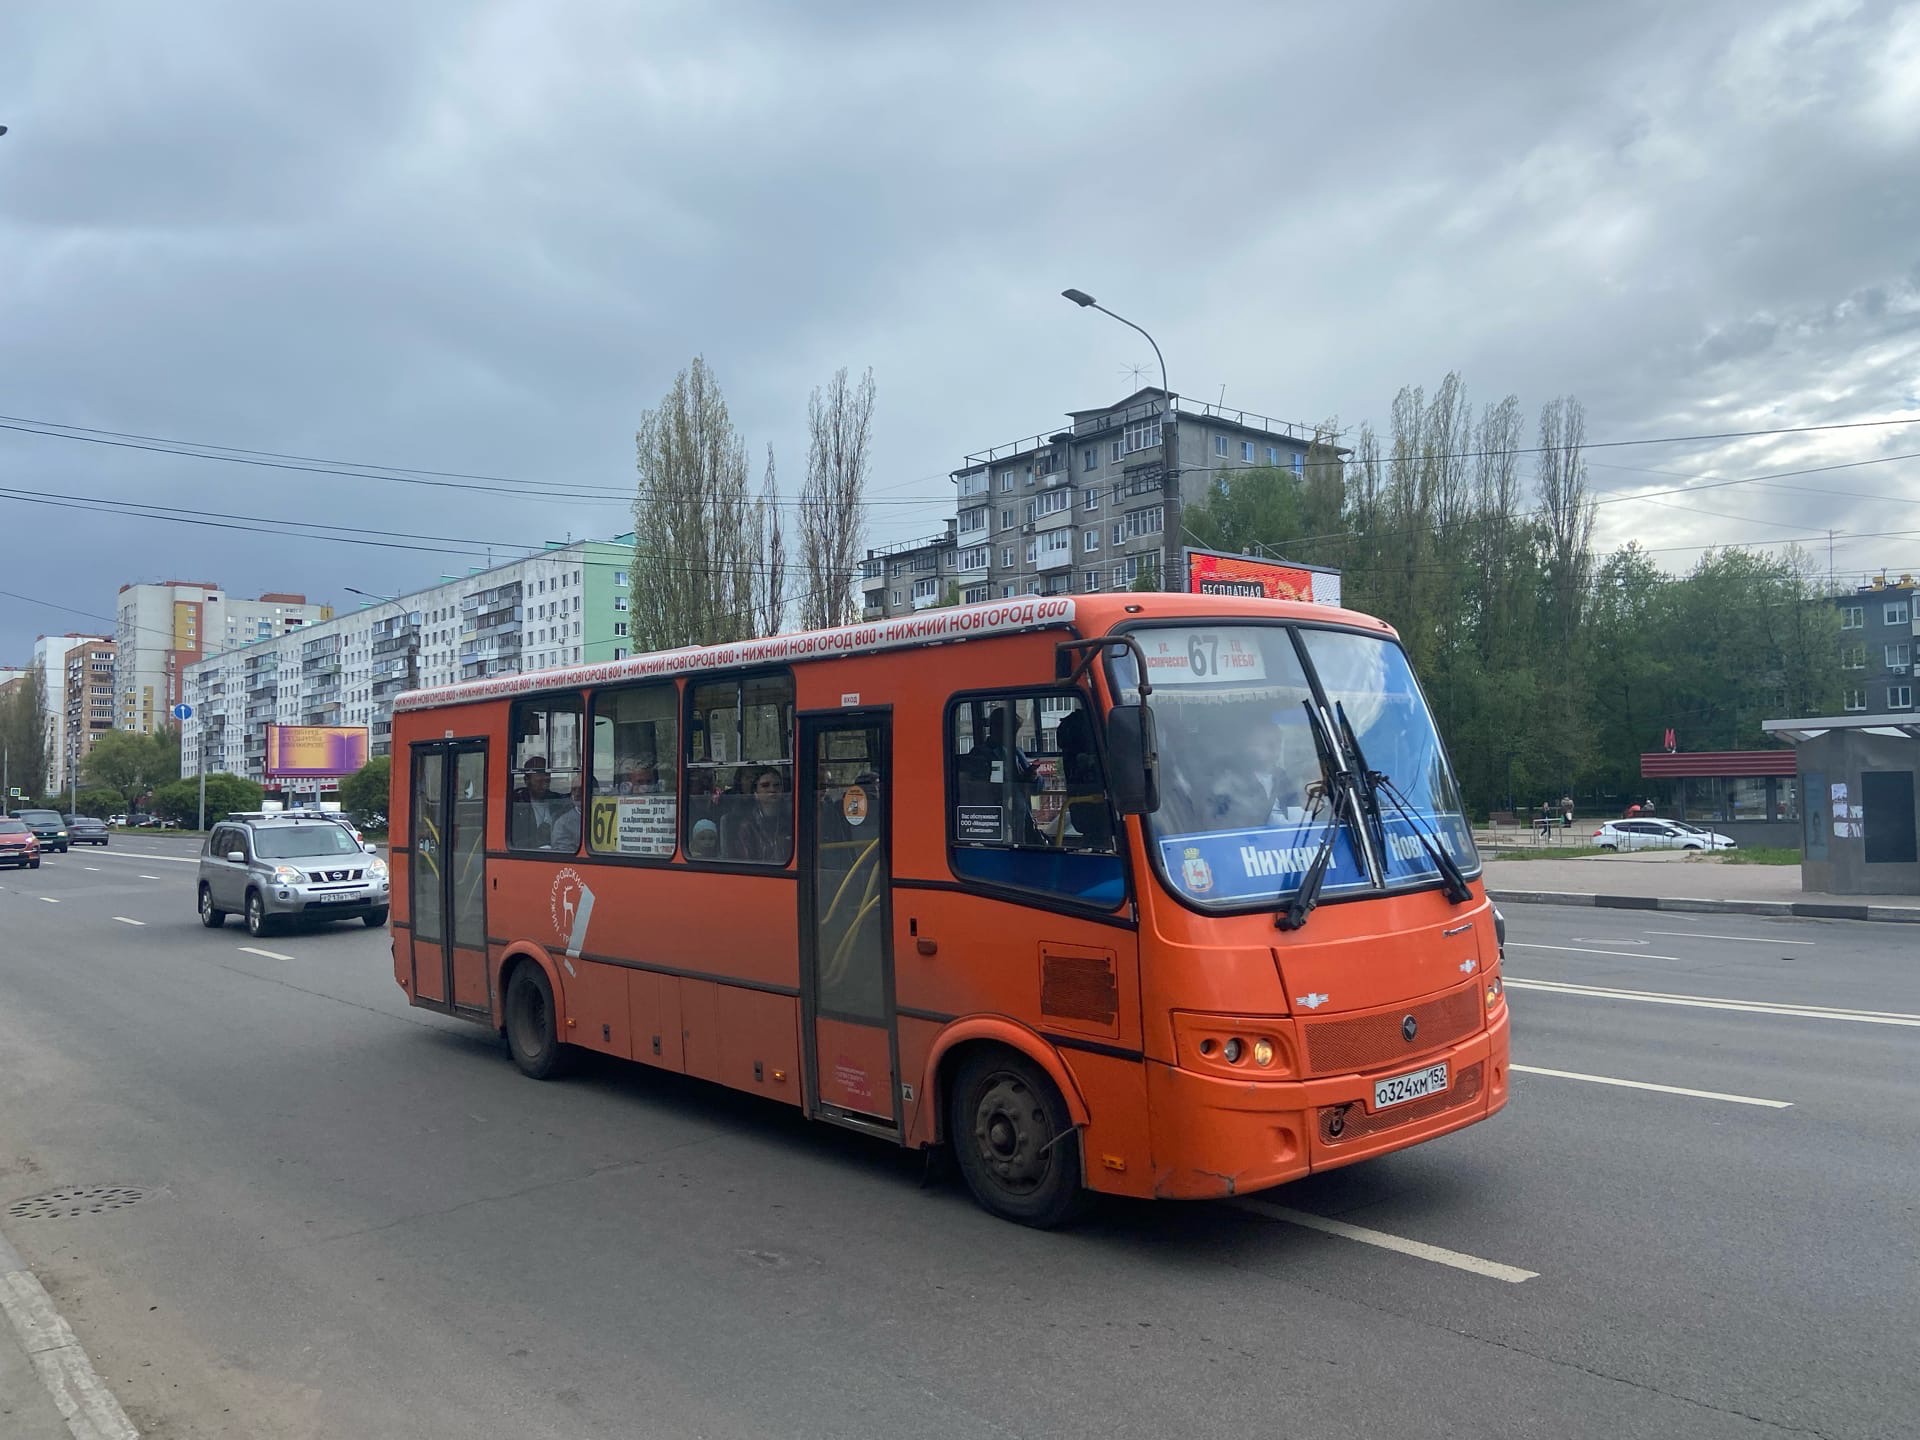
[
  {"x": 535, "y": 783},
  {"x": 703, "y": 841},
  {"x": 563, "y": 830},
  {"x": 1086, "y": 803},
  {"x": 637, "y": 777},
  {"x": 764, "y": 834}
]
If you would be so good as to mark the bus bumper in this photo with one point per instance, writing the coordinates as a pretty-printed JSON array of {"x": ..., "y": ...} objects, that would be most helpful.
[{"x": 1214, "y": 1137}]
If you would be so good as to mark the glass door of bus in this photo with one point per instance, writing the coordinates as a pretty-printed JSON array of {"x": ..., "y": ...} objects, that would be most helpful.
[
  {"x": 447, "y": 876},
  {"x": 846, "y": 929}
]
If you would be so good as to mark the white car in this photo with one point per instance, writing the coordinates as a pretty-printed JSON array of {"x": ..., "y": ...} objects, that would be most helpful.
[{"x": 1647, "y": 833}]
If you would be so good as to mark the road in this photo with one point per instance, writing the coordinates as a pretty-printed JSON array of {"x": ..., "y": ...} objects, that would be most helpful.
[{"x": 359, "y": 1220}]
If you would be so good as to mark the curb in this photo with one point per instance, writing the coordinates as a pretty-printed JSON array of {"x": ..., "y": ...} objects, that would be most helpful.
[
  {"x": 1805, "y": 909},
  {"x": 84, "y": 1401}
]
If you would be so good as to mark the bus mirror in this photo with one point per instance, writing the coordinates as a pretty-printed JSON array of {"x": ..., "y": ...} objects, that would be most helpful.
[{"x": 1134, "y": 760}]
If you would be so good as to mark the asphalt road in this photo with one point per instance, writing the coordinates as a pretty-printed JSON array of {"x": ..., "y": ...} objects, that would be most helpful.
[{"x": 360, "y": 1220}]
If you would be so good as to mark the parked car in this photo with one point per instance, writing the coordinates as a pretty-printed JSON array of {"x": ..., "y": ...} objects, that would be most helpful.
[
  {"x": 85, "y": 830},
  {"x": 49, "y": 827},
  {"x": 19, "y": 847},
  {"x": 116, "y": 819},
  {"x": 271, "y": 868},
  {"x": 1649, "y": 834}
]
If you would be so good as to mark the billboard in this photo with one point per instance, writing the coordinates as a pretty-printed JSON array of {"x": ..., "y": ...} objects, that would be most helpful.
[
  {"x": 1211, "y": 573},
  {"x": 314, "y": 752}
]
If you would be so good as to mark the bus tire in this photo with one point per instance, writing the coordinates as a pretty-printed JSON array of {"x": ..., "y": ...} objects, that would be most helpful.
[
  {"x": 533, "y": 1029},
  {"x": 1014, "y": 1139}
]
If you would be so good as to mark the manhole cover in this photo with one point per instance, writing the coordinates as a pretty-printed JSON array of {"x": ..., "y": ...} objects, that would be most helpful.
[{"x": 77, "y": 1200}]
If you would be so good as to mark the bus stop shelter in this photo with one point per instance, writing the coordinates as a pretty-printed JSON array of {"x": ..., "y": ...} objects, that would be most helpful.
[{"x": 1859, "y": 824}]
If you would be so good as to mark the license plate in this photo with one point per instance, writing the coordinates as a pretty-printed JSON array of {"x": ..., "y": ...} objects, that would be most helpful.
[
  {"x": 1402, "y": 1088},
  {"x": 348, "y": 899}
]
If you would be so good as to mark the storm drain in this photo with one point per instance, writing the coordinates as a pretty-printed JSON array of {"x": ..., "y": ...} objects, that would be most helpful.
[{"x": 76, "y": 1200}]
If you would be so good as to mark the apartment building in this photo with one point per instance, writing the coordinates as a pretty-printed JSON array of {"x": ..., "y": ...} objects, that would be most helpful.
[
  {"x": 87, "y": 704},
  {"x": 1879, "y": 633},
  {"x": 567, "y": 605},
  {"x": 1093, "y": 506},
  {"x": 50, "y": 658},
  {"x": 163, "y": 628}
]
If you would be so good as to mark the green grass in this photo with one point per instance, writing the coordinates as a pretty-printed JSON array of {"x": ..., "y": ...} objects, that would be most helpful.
[
  {"x": 1546, "y": 852},
  {"x": 1760, "y": 855}
]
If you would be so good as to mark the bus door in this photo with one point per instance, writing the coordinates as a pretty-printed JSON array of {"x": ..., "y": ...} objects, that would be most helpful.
[
  {"x": 846, "y": 961},
  {"x": 447, "y": 881}
]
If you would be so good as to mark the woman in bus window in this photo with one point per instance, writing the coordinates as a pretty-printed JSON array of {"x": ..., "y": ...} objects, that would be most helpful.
[{"x": 765, "y": 834}]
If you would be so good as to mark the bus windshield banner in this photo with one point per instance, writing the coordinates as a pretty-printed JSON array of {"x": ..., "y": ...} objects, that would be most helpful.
[
  {"x": 1228, "y": 866},
  {"x": 1209, "y": 572},
  {"x": 315, "y": 752}
]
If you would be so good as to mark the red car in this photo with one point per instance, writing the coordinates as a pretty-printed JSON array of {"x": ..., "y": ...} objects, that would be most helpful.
[{"x": 18, "y": 847}]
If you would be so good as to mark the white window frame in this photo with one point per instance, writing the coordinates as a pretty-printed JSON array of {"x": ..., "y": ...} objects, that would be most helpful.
[
  {"x": 1897, "y": 612},
  {"x": 1090, "y": 541},
  {"x": 928, "y": 589},
  {"x": 1899, "y": 697},
  {"x": 1141, "y": 435},
  {"x": 1091, "y": 579},
  {"x": 1853, "y": 617},
  {"x": 1246, "y": 451},
  {"x": 1273, "y": 456},
  {"x": 1899, "y": 653},
  {"x": 1053, "y": 502},
  {"x": 1853, "y": 700},
  {"x": 1114, "y": 453},
  {"x": 1090, "y": 498},
  {"x": 1854, "y": 657},
  {"x": 1006, "y": 557},
  {"x": 1032, "y": 548},
  {"x": 1220, "y": 446},
  {"x": 1006, "y": 481},
  {"x": 1090, "y": 458},
  {"x": 976, "y": 594}
]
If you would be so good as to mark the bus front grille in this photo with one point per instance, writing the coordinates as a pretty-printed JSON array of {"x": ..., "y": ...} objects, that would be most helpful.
[
  {"x": 1343, "y": 1124},
  {"x": 1370, "y": 1042}
]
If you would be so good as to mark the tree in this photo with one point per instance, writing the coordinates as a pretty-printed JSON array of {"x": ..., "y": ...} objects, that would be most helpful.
[
  {"x": 832, "y": 509},
  {"x": 698, "y": 531},
  {"x": 1149, "y": 577},
  {"x": 23, "y": 732},
  {"x": 99, "y": 803},
  {"x": 128, "y": 763},
  {"x": 770, "y": 580},
  {"x": 179, "y": 800},
  {"x": 368, "y": 790}
]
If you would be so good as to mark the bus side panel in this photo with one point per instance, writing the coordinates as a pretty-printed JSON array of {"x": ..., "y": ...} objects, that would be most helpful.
[
  {"x": 598, "y": 1008},
  {"x": 1117, "y": 1146},
  {"x": 700, "y": 1029},
  {"x": 653, "y": 1008},
  {"x": 760, "y": 1042}
]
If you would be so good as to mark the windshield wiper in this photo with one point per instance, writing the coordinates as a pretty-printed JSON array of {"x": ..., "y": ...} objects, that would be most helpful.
[
  {"x": 1375, "y": 783},
  {"x": 1336, "y": 784}
]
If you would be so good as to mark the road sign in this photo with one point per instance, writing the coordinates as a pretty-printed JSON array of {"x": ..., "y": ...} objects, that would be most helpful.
[
  {"x": 13, "y": 792},
  {"x": 183, "y": 712}
]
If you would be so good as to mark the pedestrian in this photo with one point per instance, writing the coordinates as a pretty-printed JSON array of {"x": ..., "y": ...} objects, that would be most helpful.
[{"x": 1566, "y": 811}]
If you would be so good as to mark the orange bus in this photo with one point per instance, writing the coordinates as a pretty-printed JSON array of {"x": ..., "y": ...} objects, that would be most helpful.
[{"x": 1153, "y": 894}]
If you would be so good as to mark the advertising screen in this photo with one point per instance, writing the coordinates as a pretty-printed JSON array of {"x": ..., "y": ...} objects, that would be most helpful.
[
  {"x": 314, "y": 752},
  {"x": 1211, "y": 573}
]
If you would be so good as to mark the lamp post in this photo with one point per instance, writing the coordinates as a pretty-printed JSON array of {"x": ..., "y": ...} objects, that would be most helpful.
[{"x": 1168, "y": 442}]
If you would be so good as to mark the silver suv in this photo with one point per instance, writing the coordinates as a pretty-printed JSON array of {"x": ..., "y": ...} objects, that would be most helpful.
[{"x": 270, "y": 868}]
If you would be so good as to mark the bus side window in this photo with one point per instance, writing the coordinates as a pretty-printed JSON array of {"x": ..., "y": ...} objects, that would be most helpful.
[
  {"x": 543, "y": 787},
  {"x": 635, "y": 793},
  {"x": 1028, "y": 801},
  {"x": 740, "y": 771}
]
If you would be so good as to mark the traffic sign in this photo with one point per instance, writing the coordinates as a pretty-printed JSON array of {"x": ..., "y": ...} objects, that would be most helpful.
[
  {"x": 13, "y": 792},
  {"x": 183, "y": 712}
]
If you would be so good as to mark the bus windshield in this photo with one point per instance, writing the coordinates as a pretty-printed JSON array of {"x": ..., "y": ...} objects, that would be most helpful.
[{"x": 1244, "y": 803}]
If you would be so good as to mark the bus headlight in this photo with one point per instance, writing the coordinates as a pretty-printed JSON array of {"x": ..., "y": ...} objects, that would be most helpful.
[
  {"x": 1263, "y": 1053},
  {"x": 1232, "y": 1050}
]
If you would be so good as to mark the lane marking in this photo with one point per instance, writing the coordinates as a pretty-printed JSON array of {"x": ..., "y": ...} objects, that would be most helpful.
[
  {"x": 1419, "y": 1249},
  {"x": 1584, "y": 950},
  {"x": 1649, "y": 1085},
  {"x": 48, "y": 899},
  {"x": 1711, "y": 1002},
  {"x": 1751, "y": 939},
  {"x": 149, "y": 877},
  {"x": 94, "y": 868},
  {"x": 87, "y": 1405},
  {"x": 149, "y": 855},
  {"x": 266, "y": 954},
  {"x": 1608, "y": 940},
  {"x": 125, "y": 921}
]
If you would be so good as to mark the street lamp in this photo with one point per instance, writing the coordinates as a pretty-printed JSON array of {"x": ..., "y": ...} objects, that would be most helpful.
[
  {"x": 1169, "y": 447},
  {"x": 369, "y": 595}
]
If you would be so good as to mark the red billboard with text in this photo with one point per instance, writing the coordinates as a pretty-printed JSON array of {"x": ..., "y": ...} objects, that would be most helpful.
[
  {"x": 1211, "y": 573},
  {"x": 315, "y": 752}
]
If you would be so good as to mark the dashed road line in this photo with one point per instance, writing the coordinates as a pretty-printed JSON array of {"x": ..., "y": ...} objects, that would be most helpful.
[
  {"x": 1649, "y": 1085},
  {"x": 1419, "y": 1249},
  {"x": 1714, "y": 1002},
  {"x": 48, "y": 899},
  {"x": 126, "y": 921},
  {"x": 264, "y": 954},
  {"x": 149, "y": 855},
  {"x": 1584, "y": 950},
  {"x": 94, "y": 868},
  {"x": 149, "y": 877},
  {"x": 1750, "y": 939}
]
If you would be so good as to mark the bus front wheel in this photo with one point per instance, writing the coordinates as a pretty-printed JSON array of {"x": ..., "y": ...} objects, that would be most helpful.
[
  {"x": 533, "y": 1033},
  {"x": 1015, "y": 1140}
]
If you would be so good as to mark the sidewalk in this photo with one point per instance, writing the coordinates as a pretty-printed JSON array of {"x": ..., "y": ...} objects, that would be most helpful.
[{"x": 1659, "y": 880}]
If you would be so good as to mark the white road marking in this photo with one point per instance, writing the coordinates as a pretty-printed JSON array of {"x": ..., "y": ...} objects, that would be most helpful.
[
  {"x": 149, "y": 877},
  {"x": 1419, "y": 1249},
  {"x": 149, "y": 855},
  {"x": 125, "y": 921},
  {"x": 90, "y": 1410},
  {"x": 94, "y": 868},
  {"x": 1712, "y": 1002},
  {"x": 1608, "y": 940},
  {"x": 1751, "y": 939},
  {"x": 48, "y": 899},
  {"x": 265, "y": 954},
  {"x": 1584, "y": 950},
  {"x": 1649, "y": 1085}
]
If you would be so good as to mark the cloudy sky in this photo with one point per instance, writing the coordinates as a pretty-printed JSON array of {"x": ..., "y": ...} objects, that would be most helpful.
[{"x": 482, "y": 237}]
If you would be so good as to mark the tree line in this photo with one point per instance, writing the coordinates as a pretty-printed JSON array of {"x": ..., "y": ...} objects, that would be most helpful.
[{"x": 1550, "y": 668}]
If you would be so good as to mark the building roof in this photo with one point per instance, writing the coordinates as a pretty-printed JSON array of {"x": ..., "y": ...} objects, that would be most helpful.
[
  {"x": 1698, "y": 764},
  {"x": 1901, "y": 724}
]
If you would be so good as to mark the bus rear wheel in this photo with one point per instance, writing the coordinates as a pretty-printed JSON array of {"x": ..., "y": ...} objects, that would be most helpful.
[
  {"x": 533, "y": 1034},
  {"x": 1015, "y": 1140}
]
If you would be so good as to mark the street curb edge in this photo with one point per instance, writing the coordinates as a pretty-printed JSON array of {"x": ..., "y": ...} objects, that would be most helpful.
[{"x": 1804, "y": 909}]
